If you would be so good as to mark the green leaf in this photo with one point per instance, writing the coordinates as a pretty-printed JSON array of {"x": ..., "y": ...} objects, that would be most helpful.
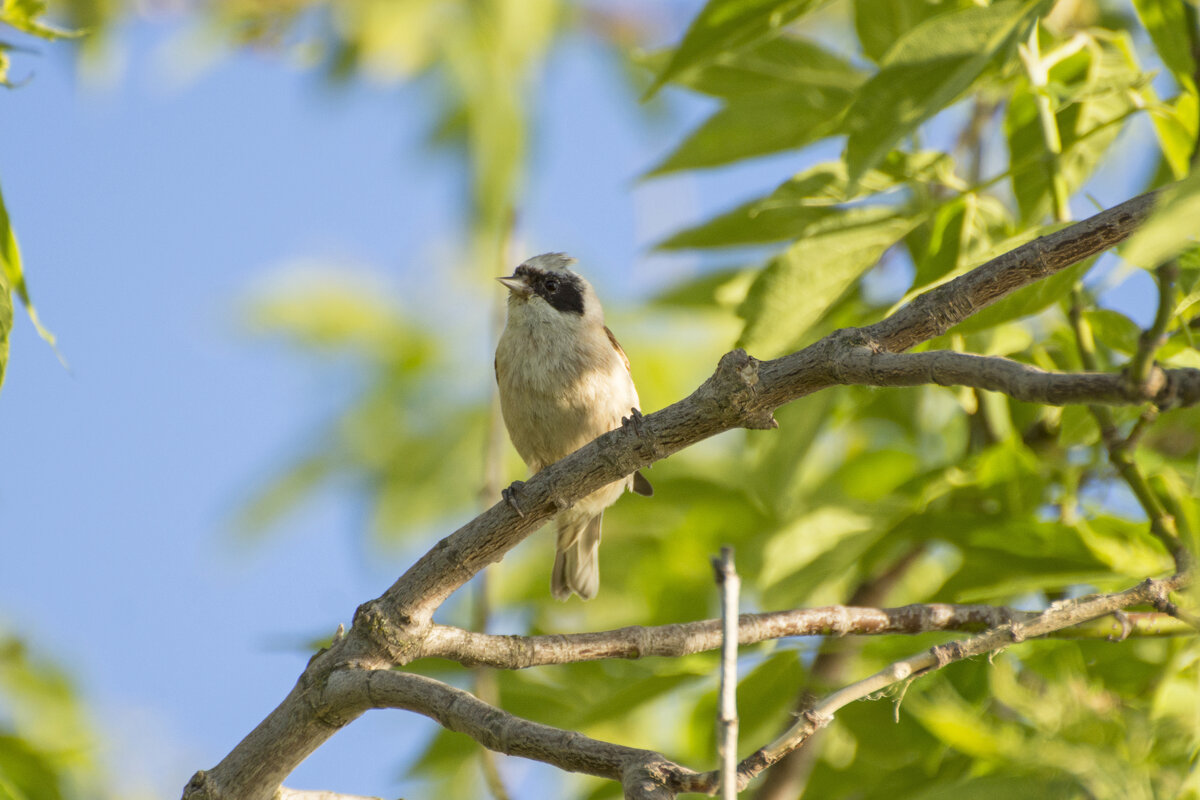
[
  {"x": 1097, "y": 90},
  {"x": 958, "y": 233},
  {"x": 800, "y": 284},
  {"x": 782, "y": 95},
  {"x": 809, "y": 203},
  {"x": 24, "y": 16},
  {"x": 6, "y": 321},
  {"x": 756, "y": 125},
  {"x": 880, "y": 23},
  {"x": 713, "y": 289},
  {"x": 785, "y": 62},
  {"x": 924, "y": 72},
  {"x": 10, "y": 264},
  {"x": 1114, "y": 330},
  {"x": 1167, "y": 23},
  {"x": 723, "y": 26},
  {"x": 26, "y": 773},
  {"x": 1175, "y": 125},
  {"x": 1172, "y": 227}
]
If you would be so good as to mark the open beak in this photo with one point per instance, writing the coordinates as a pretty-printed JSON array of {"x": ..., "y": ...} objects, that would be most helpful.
[{"x": 516, "y": 285}]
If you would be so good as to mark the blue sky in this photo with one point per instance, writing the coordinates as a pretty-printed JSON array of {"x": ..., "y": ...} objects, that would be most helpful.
[{"x": 146, "y": 212}]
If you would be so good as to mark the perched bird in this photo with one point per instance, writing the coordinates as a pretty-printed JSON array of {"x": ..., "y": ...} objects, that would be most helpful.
[{"x": 564, "y": 381}]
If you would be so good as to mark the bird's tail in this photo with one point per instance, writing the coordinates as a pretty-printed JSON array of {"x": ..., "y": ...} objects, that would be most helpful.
[{"x": 577, "y": 562}]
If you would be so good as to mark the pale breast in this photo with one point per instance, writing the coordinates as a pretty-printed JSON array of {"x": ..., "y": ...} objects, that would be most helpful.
[{"x": 557, "y": 398}]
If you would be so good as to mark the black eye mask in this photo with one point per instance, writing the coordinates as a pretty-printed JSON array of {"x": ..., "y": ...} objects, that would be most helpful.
[{"x": 560, "y": 289}]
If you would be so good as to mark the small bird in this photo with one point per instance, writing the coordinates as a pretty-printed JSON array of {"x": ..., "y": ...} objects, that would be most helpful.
[{"x": 564, "y": 381}]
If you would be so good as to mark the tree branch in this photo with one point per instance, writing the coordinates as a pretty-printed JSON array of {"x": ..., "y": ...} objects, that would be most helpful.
[
  {"x": 743, "y": 392},
  {"x": 727, "y": 716},
  {"x": 687, "y": 638},
  {"x": 1057, "y": 617},
  {"x": 1164, "y": 388},
  {"x": 650, "y": 774},
  {"x": 1162, "y": 523},
  {"x": 495, "y": 729},
  {"x": 303, "y": 794},
  {"x": 1155, "y": 336}
]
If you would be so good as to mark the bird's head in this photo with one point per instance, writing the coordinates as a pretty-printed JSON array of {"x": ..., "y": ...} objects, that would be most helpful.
[{"x": 548, "y": 279}]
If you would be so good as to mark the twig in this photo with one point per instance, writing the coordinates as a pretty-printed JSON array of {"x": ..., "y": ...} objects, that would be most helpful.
[
  {"x": 1162, "y": 523},
  {"x": 727, "y": 720},
  {"x": 1155, "y": 336},
  {"x": 786, "y": 780}
]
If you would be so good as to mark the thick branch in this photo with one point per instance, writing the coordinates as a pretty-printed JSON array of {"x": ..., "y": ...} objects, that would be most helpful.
[
  {"x": 741, "y": 393},
  {"x": 943, "y": 307}
]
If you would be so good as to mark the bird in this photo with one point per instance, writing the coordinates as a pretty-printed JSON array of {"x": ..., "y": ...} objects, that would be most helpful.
[{"x": 563, "y": 381}]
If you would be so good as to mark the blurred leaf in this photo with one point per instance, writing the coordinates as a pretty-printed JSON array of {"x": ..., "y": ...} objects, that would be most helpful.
[
  {"x": 880, "y": 23},
  {"x": 1175, "y": 124},
  {"x": 407, "y": 438},
  {"x": 6, "y": 321},
  {"x": 445, "y": 755},
  {"x": 958, "y": 233},
  {"x": 798, "y": 285},
  {"x": 809, "y": 537},
  {"x": 10, "y": 264},
  {"x": 283, "y": 493},
  {"x": 1167, "y": 23},
  {"x": 25, "y": 16},
  {"x": 761, "y": 715},
  {"x": 26, "y": 773},
  {"x": 724, "y": 288},
  {"x": 1170, "y": 229},
  {"x": 1114, "y": 330},
  {"x": 1127, "y": 547},
  {"x": 46, "y": 741},
  {"x": 925, "y": 71},
  {"x": 726, "y": 26}
]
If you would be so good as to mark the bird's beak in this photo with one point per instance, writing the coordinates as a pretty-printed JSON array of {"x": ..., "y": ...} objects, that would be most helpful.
[{"x": 516, "y": 285}]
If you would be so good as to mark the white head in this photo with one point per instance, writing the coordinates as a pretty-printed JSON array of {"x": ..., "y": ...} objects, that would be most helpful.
[{"x": 546, "y": 286}]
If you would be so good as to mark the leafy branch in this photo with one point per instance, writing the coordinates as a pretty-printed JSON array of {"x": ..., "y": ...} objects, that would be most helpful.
[{"x": 356, "y": 672}]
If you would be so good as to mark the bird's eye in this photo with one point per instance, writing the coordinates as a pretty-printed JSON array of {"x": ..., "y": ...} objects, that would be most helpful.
[{"x": 551, "y": 285}]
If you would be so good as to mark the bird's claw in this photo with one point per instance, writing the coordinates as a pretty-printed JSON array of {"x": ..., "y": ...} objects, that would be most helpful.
[
  {"x": 511, "y": 493},
  {"x": 634, "y": 420}
]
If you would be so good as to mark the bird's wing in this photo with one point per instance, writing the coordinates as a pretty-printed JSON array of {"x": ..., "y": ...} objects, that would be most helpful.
[{"x": 617, "y": 346}]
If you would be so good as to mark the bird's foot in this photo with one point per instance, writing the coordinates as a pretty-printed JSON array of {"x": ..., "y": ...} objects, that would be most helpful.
[
  {"x": 634, "y": 420},
  {"x": 511, "y": 495}
]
